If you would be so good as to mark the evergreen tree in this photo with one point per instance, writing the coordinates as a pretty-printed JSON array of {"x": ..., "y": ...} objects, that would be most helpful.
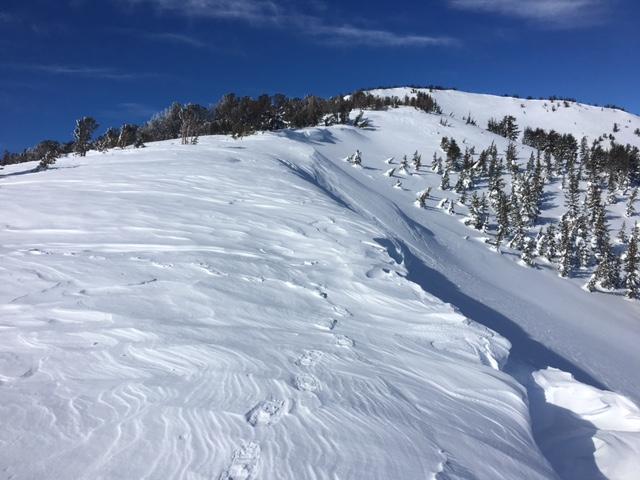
[
  {"x": 631, "y": 211},
  {"x": 527, "y": 255},
  {"x": 593, "y": 200},
  {"x": 404, "y": 164},
  {"x": 511, "y": 157},
  {"x": 108, "y": 140},
  {"x": 417, "y": 161},
  {"x": 600, "y": 239},
  {"x": 453, "y": 155},
  {"x": 632, "y": 278},
  {"x": 552, "y": 246},
  {"x": 47, "y": 151},
  {"x": 567, "y": 254},
  {"x": 423, "y": 197},
  {"x": 357, "y": 158},
  {"x": 191, "y": 118},
  {"x": 502, "y": 219},
  {"x": 127, "y": 135},
  {"x": 451, "y": 209},
  {"x": 608, "y": 271},
  {"x": 436, "y": 164},
  {"x": 573, "y": 193},
  {"x": 622, "y": 234},
  {"x": 444, "y": 181},
  {"x": 85, "y": 127}
]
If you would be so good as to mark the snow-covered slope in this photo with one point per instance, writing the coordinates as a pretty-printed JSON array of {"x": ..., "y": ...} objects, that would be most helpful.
[
  {"x": 259, "y": 308},
  {"x": 564, "y": 117}
]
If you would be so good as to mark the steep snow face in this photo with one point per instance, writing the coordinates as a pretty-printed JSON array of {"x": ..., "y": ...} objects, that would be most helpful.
[
  {"x": 207, "y": 312},
  {"x": 260, "y": 308}
]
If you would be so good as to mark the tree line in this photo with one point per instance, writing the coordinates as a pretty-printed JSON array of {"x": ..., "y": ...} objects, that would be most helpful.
[{"x": 232, "y": 115}]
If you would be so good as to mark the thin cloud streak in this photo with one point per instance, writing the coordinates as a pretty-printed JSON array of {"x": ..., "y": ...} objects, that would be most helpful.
[
  {"x": 177, "y": 38},
  {"x": 105, "y": 73},
  {"x": 567, "y": 13},
  {"x": 274, "y": 14}
]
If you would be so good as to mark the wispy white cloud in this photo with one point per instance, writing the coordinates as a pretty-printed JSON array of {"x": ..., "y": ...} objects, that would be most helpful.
[
  {"x": 284, "y": 15},
  {"x": 175, "y": 38},
  {"x": 249, "y": 10},
  {"x": 351, "y": 35},
  {"x": 567, "y": 13},
  {"x": 105, "y": 73}
]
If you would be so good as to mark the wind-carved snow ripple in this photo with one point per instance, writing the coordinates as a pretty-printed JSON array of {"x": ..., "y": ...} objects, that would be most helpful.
[{"x": 193, "y": 323}]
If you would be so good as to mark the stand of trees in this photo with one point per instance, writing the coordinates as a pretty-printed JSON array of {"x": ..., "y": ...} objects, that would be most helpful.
[
  {"x": 592, "y": 176},
  {"x": 232, "y": 115}
]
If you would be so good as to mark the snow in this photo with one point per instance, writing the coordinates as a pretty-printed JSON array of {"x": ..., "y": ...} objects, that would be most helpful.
[
  {"x": 259, "y": 308},
  {"x": 585, "y": 415}
]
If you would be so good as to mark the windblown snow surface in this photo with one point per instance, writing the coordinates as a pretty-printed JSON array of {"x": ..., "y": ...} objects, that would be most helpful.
[{"x": 260, "y": 309}]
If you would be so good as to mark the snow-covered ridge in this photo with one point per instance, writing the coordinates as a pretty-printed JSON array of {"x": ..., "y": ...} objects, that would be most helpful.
[
  {"x": 576, "y": 118},
  {"x": 260, "y": 308}
]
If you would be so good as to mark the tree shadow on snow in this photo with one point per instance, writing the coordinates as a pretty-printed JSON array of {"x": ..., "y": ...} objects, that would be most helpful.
[{"x": 17, "y": 174}]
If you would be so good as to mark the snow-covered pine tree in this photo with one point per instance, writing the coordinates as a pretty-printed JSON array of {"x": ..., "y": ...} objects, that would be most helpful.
[
  {"x": 481, "y": 164},
  {"x": 502, "y": 219},
  {"x": 460, "y": 185},
  {"x": 622, "y": 234},
  {"x": 630, "y": 210},
  {"x": 127, "y": 135},
  {"x": 496, "y": 182},
  {"x": 417, "y": 161},
  {"x": 566, "y": 247},
  {"x": 423, "y": 197},
  {"x": 552, "y": 245},
  {"x": 593, "y": 200},
  {"x": 528, "y": 250},
  {"x": 600, "y": 238},
  {"x": 548, "y": 165},
  {"x": 444, "y": 181},
  {"x": 581, "y": 241},
  {"x": 49, "y": 152},
  {"x": 404, "y": 164},
  {"x": 436, "y": 164},
  {"x": 572, "y": 194},
  {"x": 511, "y": 157},
  {"x": 541, "y": 243},
  {"x": 357, "y": 158},
  {"x": 85, "y": 127},
  {"x": 474, "y": 211},
  {"x": 612, "y": 186},
  {"x": 108, "y": 140},
  {"x": 451, "y": 209},
  {"x": 632, "y": 277},
  {"x": 453, "y": 155},
  {"x": 609, "y": 274}
]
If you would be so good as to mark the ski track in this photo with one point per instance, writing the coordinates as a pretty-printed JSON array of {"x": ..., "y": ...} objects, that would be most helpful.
[{"x": 177, "y": 314}]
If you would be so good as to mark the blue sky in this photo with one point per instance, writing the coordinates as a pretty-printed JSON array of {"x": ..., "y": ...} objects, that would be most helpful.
[{"x": 122, "y": 60}]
